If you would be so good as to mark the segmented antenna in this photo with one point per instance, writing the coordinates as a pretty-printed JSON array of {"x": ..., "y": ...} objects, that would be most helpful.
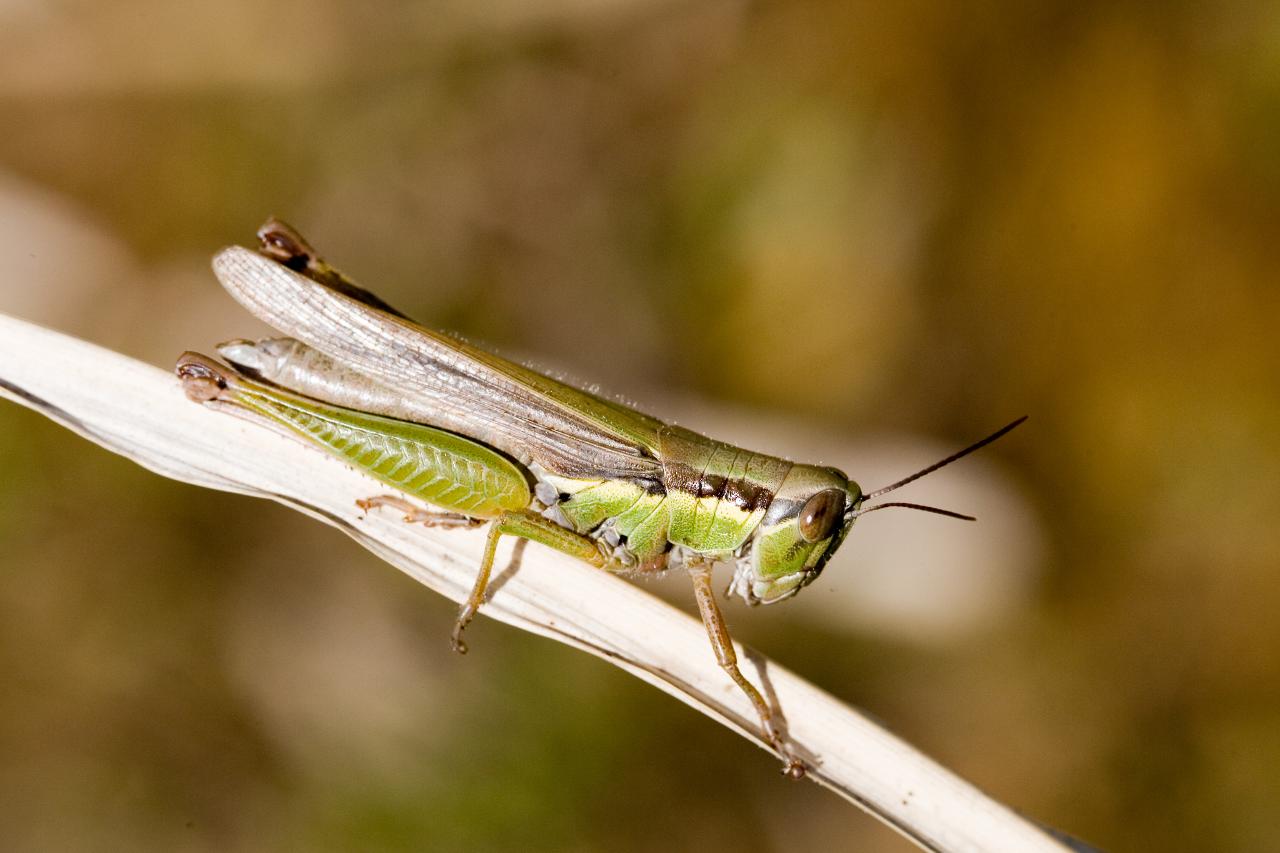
[
  {"x": 934, "y": 467},
  {"x": 922, "y": 507}
]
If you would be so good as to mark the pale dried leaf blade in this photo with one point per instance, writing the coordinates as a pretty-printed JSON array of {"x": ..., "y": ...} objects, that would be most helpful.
[{"x": 140, "y": 412}]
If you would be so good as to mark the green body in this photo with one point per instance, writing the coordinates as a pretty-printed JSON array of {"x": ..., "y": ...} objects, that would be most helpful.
[{"x": 649, "y": 494}]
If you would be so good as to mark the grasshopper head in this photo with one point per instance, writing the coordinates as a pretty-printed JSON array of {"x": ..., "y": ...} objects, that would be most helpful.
[
  {"x": 805, "y": 523},
  {"x": 808, "y": 519}
]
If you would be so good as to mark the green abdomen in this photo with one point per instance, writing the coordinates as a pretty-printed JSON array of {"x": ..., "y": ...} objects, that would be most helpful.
[{"x": 638, "y": 515}]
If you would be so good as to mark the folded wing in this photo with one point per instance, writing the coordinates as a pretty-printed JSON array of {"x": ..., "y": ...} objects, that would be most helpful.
[{"x": 532, "y": 417}]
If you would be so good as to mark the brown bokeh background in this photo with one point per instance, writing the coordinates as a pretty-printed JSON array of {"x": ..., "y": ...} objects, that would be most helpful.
[{"x": 862, "y": 233}]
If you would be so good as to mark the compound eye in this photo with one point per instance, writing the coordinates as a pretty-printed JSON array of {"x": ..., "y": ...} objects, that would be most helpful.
[{"x": 820, "y": 513}]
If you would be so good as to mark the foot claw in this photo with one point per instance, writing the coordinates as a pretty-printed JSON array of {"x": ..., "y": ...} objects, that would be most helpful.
[
  {"x": 455, "y": 639},
  {"x": 793, "y": 769}
]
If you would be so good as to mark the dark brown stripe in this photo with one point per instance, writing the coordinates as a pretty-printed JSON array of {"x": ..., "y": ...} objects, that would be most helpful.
[
  {"x": 712, "y": 486},
  {"x": 741, "y": 492},
  {"x": 748, "y": 496}
]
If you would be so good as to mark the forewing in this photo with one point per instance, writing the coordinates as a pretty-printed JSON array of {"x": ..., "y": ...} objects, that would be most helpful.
[{"x": 524, "y": 413}]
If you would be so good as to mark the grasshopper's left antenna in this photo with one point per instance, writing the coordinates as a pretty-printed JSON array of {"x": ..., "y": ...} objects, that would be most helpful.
[{"x": 934, "y": 467}]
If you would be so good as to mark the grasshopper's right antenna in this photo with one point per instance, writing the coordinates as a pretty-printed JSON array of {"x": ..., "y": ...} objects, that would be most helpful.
[{"x": 933, "y": 509}]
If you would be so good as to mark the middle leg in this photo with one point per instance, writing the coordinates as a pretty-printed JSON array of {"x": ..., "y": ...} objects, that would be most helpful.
[{"x": 722, "y": 645}]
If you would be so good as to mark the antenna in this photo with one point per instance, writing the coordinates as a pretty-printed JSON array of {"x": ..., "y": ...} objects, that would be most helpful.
[
  {"x": 934, "y": 467},
  {"x": 933, "y": 509}
]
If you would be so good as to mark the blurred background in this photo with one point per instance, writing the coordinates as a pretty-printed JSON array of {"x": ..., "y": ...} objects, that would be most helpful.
[{"x": 856, "y": 233}]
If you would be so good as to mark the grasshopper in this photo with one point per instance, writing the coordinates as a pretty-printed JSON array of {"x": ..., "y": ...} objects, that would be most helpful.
[{"x": 483, "y": 440}]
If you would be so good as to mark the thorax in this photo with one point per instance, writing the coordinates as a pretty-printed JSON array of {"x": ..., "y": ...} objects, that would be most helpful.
[{"x": 709, "y": 500}]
